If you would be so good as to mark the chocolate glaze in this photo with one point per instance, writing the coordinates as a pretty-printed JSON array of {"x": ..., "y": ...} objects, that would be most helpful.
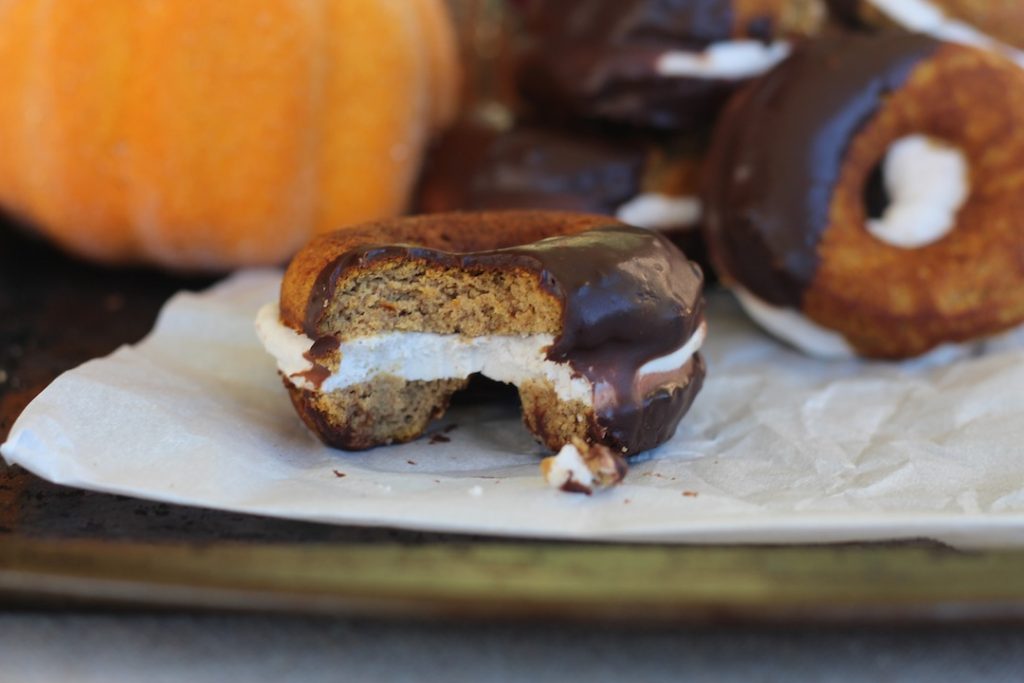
[
  {"x": 778, "y": 150},
  {"x": 316, "y": 375},
  {"x": 532, "y": 167},
  {"x": 322, "y": 348},
  {"x": 628, "y": 296},
  {"x": 597, "y": 59}
]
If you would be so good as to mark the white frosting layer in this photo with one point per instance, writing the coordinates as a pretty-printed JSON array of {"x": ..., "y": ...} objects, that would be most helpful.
[
  {"x": 794, "y": 327},
  {"x": 925, "y": 17},
  {"x": 728, "y": 60},
  {"x": 927, "y": 181},
  {"x": 676, "y": 359},
  {"x": 283, "y": 343},
  {"x": 656, "y": 211},
  {"x": 427, "y": 356},
  {"x": 568, "y": 465}
]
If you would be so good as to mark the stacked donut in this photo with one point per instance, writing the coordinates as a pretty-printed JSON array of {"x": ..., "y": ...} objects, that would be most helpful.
[
  {"x": 854, "y": 167},
  {"x": 860, "y": 191},
  {"x": 617, "y": 102}
]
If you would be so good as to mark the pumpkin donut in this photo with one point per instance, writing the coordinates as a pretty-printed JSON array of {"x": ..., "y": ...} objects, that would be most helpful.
[
  {"x": 380, "y": 324},
  {"x": 991, "y": 24},
  {"x": 867, "y": 197},
  {"x": 641, "y": 180},
  {"x": 654, "y": 64}
]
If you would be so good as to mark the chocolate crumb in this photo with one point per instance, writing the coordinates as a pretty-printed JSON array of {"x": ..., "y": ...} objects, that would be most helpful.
[
  {"x": 439, "y": 438},
  {"x": 322, "y": 347},
  {"x": 690, "y": 494},
  {"x": 411, "y": 462},
  {"x": 338, "y": 474},
  {"x": 573, "y": 486}
]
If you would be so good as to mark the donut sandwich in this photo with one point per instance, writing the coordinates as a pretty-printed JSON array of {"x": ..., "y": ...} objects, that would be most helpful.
[{"x": 598, "y": 325}]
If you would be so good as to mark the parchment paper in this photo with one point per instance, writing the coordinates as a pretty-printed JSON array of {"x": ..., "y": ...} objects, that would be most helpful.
[{"x": 777, "y": 448}]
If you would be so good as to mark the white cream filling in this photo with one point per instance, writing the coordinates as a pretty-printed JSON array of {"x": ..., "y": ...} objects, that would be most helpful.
[
  {"x": 568, "y": 465},
  {"x": 927, "y": 182},
  {"x": 678, "y": 358},
  {"x": 728, "y": 60},
  {"x": 794, "y": 327},
  {"x": 427, "y": 356},
  {"x": 922, "y": 16},
  {"x": 656, "y": 211}
]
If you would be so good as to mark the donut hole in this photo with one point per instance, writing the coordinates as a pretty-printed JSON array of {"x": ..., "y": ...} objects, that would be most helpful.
[{"x": 913, "y": 195}]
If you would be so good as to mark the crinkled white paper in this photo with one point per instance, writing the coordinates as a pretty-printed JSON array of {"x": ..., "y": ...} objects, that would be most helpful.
[{"x": 777, "y": 448}]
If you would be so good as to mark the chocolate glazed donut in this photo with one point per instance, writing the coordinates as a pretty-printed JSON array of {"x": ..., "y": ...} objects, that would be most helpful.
[
  {"x": 651, "y": 63},
  {"x": 612, "y": 315},
  {"x": 866, "y": 196}
]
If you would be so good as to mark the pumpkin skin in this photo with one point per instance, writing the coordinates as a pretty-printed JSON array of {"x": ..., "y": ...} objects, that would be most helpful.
[{"x": 204, "y": 135}]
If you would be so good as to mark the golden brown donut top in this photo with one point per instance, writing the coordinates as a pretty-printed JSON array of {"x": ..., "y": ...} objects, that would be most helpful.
[{"x": 454, "y": 232}]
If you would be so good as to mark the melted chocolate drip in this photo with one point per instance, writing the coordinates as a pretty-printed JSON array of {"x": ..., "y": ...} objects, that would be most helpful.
[
  {"x": 322, "y": 347},
  {"x": 628, "y": 295},
  {"x": 597, "y": 59},
  {"x": 316, "y": 375},
  {"x": 778, "y": 151}
]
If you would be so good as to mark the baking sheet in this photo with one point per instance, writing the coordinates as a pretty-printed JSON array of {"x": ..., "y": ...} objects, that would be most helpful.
[{"x": 778, "y": 448}]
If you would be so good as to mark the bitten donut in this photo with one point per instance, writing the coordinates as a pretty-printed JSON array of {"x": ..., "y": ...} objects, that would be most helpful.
[
  {"x": 990, "y": 24},
  {"x": 643, "y": 181},
  {"x": 597, "y": 324},
  {"x": 867, "y": 197},
  {"x": 665, "y": 65}
]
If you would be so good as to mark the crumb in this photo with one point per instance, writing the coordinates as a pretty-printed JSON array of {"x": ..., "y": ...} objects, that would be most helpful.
[
  {"x": 580, "y": 467},
  {"x": 3, "y": 376},
  {"x": 476, "y": 492},
  {"x": 437, "y": 481},
  {"x": 339, "y": 474},
  {"x": 570, "y": 485},
  {"x": 690, "y": 494},
  {"x": 411, "y": 462},
  {"x": 450, "y": 428},
  {"x": 627, "y": 501},
  {"x": 439, "y": 438}
]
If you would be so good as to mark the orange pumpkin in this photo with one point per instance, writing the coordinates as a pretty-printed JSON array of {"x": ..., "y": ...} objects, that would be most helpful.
[{"x": 199, "y": 134}]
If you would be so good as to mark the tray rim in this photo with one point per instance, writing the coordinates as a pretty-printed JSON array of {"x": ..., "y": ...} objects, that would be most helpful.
[{"x": 576, "y": 582}]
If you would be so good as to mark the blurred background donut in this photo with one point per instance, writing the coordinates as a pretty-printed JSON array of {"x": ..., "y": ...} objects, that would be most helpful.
[
  {"x": 867, "y": 195},
  {"x": 664, "y": 65},
  {"x": 641, "y": 180}
]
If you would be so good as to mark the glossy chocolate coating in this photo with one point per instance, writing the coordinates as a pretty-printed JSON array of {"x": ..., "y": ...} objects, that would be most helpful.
[
  {"x": 597, "y": 59},
  {"x": 628, "y": 296},
  {"x": 532, "y": 167},
  {"x": 778, "y": 150}
]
